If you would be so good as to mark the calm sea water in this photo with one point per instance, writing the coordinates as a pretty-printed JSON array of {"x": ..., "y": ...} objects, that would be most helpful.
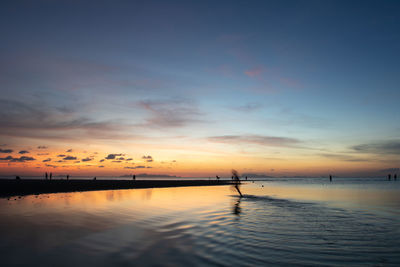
[{"x": 278, "y": 222}]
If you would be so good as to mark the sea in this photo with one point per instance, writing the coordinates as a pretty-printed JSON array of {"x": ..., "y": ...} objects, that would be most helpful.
[{"x": 277, "y": 222}]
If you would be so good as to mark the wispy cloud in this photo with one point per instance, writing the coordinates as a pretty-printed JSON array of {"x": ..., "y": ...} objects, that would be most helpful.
[
  {"x": 248, "y": 107},
  {"x": 6, "y": 150},
  {"x": 255, "y": 71},
  {"x": 382, "y": 147},
  {"x": 170, "y": 113},
  {"x": 40, "y": 121},
  {"x": 261, "y": 140},
  {"x": 23, "y": 152},
  {"x": 343, "y": 157}
]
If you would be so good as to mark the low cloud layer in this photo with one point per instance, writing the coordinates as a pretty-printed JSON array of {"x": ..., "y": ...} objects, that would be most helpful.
[
  {"x": 342, "y": 157},
  {"x": 20, "y": 159},
  {"x": 112, "y": 156},
  {"x": 256, "y": 140},
  {"x": 384, "y": 147}
]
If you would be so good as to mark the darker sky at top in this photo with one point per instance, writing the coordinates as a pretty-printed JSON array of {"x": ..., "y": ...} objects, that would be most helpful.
[{"x": 286, "y": 69}]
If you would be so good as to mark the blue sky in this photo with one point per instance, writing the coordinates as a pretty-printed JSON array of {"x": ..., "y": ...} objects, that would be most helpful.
[{"x": 322, "y": 73}]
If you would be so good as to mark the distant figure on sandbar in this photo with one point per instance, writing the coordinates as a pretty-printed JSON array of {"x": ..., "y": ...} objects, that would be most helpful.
[
  {"x": 395, "y": 177},
  {"x": 94, "y": 178},
  {"x": 217, "y": 177},
  {"x": 51, "y": 175},
  {"x": 17, "y": 178},
  {"x": 232, "y": 177},
  {"x": 389, "y": 177},
  {"x": 246, "y": 178},
  {"x": 330, "y": 178},
  {"x": 46, "y": 175},
  {"x": 133, "y": 177},
  {"x": 67, "y": 176},
  {"x": 237, "y": 181}
]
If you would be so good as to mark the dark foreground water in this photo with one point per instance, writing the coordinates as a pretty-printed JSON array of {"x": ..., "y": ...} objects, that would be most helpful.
[{"x": 278, "y": 222}]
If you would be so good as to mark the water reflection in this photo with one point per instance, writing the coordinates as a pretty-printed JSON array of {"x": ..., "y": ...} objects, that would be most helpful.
[
  {"x": 279, "y": 223},
  {"x": 236, "y": 207}
]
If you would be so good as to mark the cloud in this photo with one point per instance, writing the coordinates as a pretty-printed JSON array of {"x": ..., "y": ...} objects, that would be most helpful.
[
  {"x": 170, "y": 113},
  {"x": 42, "y": 154},
  {"x": 117, "y": 161},
  {"x": 129, "y": 159},
  {"x": 6, "y": 150},
  {"x": 69, "y": 158},
  {"x": 121, "y": 158},
  {"x": 255, "y": 71},
  {"x": 42, "y": 147},
  {"x": 47, "y": 160},
  {"x": 87, "y": 159},
  {"x": 112, "y": 156},
  {"x": 383, "y": 147},
  {"x": 342, "y": 157},
  {"x": 137, "y": 167},
  {"x": 61, "y": 156},
  {"x": 69, "y": 150},
  {"x": 148, "y": 158},
  {"x": 101, "y": 166},
  {"x": 261, "y": 140},
  {"x": 101, "y": 160},
  {"x": 41, "y": 121},
  {"x": 77, "y": 161},
  {"x": 248, "y": 107},
  {"x": 52, "y": 166},
  {"x": 20, "y": 159},
  {"x": 23, "y": 152}
]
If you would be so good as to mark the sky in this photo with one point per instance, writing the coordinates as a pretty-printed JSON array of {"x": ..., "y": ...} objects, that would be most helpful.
[{"x": 197, "y": 88}]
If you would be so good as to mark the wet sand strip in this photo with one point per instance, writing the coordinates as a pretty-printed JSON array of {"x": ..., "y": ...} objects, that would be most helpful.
[{"x": 33, "y": 187}]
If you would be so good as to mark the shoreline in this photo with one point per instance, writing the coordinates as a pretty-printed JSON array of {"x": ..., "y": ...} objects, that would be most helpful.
[{"x": 9, "y": 188}]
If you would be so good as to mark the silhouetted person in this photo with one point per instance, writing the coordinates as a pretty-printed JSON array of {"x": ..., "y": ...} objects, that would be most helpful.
[
  {"x": 133, "y": 177},
  {"x": 389, "y": 177},
  {"x": 330, "y": 178},
  {"x": 217, "y": 177},
  {"x": 47, "y": 176},
  {"x": 17, "y": 178},
  {"x": 51, "y": 175},
  {"x": 94, "y": 178},
  {"x": 232, "y": 177},
  {"x": 395, "y": 177},
  {"x": 67, "y": 176},
  {"x": 237, "y": 181}
]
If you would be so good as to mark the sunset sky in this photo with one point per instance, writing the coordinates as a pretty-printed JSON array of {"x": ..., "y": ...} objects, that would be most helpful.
[{"x": 196, "y": 88}]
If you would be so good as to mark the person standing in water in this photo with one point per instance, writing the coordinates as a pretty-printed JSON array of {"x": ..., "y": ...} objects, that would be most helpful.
[
  {"x": 46, "y": 176},
  {"x": 237, "y": 181}
]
